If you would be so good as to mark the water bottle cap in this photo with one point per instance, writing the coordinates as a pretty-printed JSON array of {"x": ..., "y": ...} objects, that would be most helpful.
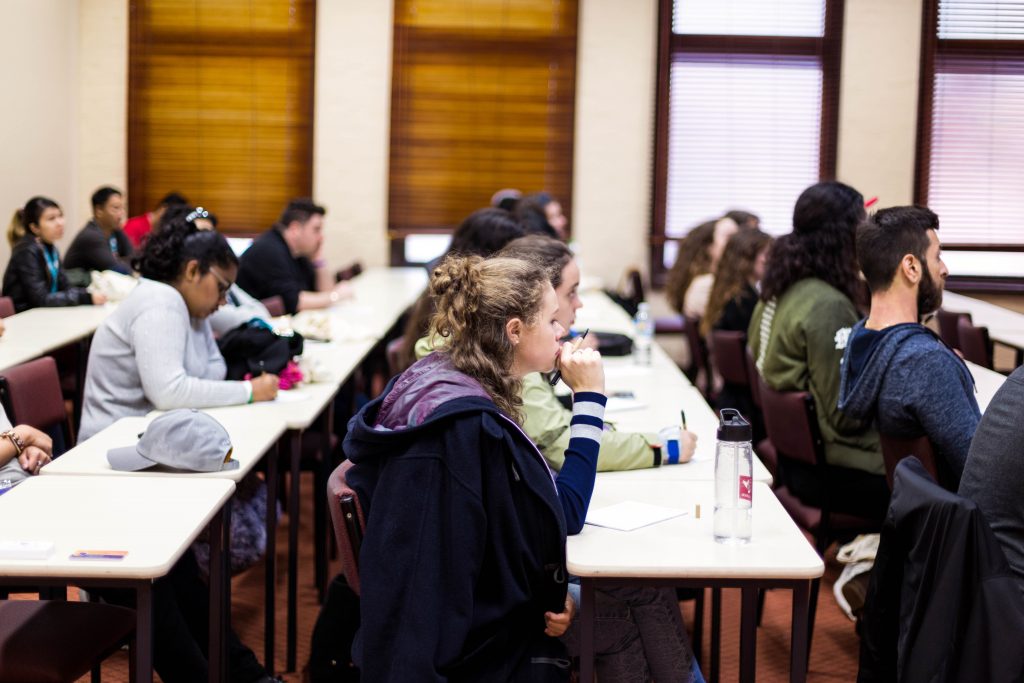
[{"x": 733, "y": 427}]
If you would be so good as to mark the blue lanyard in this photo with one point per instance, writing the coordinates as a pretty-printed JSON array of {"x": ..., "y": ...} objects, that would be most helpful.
[
  {"x": 52, "y": 265},
  {"x": 113, "y": 245}
]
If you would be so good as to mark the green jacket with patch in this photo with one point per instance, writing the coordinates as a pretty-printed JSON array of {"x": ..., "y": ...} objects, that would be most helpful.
[{"x": 798, "y": 343}]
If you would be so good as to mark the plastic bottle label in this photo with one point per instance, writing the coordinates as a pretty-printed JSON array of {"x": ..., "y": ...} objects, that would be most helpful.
[{"x": 746, "y": 488}]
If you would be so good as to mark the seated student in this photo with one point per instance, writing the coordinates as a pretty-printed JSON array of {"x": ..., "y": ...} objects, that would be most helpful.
[
  {"x": 138, "y": 227},
  {"x": 798, "y": 334},
  {"x": 34, "y": 276},
  {"x": 541, "y": 214},
  {"x": 692, "y": 275},
  {"x": 23, "y": 450},
  {"x": 102, "y": 244},
  {"x": 284, "y": 261},
  {"x": 731, "y": 306},
  {"x": 895, "y": 370},
  {"x": 482, "y": 233},
  {"x": 744, "y": 219},
  {"x": 994, "y": 471},
  {"x": 157, "y": 350},
  {"x": 545, "y": 420}
]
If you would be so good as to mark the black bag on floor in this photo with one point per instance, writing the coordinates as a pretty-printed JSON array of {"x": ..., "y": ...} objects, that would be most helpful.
[{"x": 330, "y": 654}]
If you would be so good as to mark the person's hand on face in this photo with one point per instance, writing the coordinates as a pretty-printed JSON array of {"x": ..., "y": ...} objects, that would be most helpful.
[{"x": 582, "y": 369}]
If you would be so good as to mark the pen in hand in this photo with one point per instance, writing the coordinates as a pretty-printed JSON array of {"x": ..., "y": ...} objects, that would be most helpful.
[
  {"x": 557, "y": 374},
  {"x": 682, "y": 418}
]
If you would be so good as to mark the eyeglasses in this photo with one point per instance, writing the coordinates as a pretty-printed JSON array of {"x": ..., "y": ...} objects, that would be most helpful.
[
  {"x": 197, "y": 213},
  {"x": 222, "y": 282}
]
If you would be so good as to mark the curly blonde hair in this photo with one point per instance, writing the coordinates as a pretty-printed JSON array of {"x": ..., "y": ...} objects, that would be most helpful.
[{"x": 474, "y": 298}]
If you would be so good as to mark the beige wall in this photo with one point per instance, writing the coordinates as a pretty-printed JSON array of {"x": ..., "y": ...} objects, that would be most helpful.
[
  {"x": 878, "y": 98},
  {"x": 68, "y": 134},
  {"x": 37, "y": 132}
]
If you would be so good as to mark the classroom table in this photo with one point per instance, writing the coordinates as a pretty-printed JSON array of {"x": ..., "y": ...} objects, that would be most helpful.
[
  {"x": 682, "y": 552},
  {"x": 986, "y": 383},
  {"x": 154, "y": 519},
  {"x": 1004, "y": 326},
  {"x": 250, "y": 441},
  {"x": 38, "y": 331}
]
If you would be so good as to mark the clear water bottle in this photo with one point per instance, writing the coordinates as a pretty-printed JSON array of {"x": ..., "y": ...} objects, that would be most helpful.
[
  {"x": 734, "y": 479},
  {"x": 643, "y": 325}
]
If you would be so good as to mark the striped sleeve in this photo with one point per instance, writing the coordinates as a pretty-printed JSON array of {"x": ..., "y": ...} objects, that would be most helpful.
[{"x": 575, "y": 481}]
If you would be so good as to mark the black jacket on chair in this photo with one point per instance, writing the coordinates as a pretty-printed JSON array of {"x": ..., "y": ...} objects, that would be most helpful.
[
  {"x": 943, "y": 605},
  {"x": 28, "y": 282}
]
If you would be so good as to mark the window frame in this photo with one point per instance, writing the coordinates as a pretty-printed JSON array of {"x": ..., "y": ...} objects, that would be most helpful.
[
  {"x": 829, "y": 46},
  {"x": 931, "y": 47}
]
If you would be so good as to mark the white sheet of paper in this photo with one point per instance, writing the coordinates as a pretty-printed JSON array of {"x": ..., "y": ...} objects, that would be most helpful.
[
  {"x": 630, "y": 515},
  {"x": 618, "y": 405}
]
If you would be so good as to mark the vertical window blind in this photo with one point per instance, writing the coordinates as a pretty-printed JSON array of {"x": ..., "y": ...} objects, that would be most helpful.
[
  {"x": 971, "y": 137},
  {"x": 747, "y": 111},
  {"x": 483, "y": 97},
  {"x": 220, "y": 105}
]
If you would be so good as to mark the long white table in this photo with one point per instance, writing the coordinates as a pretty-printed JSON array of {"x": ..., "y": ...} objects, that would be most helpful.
[
  {"x": 1004, "y": 326},
  {"x": 154, "y": 520},
  {"x": 660, "y": 392},
  {"x": 39, "y": 331},
  {"x": 682, "y": 551}
]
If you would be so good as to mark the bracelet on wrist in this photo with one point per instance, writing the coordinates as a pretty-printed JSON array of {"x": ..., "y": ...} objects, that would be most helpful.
[{"x": 15, "y": 440}]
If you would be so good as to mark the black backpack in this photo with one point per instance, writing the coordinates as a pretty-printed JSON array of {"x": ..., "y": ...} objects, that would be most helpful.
[{"x": 253, "y": 348}]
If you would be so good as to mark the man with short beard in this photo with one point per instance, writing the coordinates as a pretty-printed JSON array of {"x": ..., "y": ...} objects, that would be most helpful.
[{"x": 895, "y": 369}]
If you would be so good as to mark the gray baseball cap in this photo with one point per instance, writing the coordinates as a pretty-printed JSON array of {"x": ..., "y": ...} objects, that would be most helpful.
[{"x": 183, "y": 439}]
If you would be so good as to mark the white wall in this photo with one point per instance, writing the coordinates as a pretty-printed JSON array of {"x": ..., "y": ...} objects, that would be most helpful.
[
  {"x": 878, "y": 98},
  {"x": 352, "y": 127},
  {"x": 37, "y": 131},
  {"x": 616, "y": 71}
]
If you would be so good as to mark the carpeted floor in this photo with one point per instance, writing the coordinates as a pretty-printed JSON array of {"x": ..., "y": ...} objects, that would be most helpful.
[{"x": 833, "y": 655}]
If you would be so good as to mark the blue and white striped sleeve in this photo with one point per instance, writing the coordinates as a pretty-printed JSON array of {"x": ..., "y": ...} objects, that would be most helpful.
[{"x": 575, "y": 481}]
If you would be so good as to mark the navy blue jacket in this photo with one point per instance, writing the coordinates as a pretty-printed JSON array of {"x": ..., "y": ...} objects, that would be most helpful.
[
  {"x": 913, "y": 385},
  {"x": 464, "y": 549}
]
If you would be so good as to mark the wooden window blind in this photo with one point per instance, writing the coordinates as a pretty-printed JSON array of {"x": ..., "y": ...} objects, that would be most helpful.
[
  {"x": 220, "y": 106},
  {"x": 747, "y": 111},
  {"x": 483, "y": 97},
  {"x": 970, "y": 135}
]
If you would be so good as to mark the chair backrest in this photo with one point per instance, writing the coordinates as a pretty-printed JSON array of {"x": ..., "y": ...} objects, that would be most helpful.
[
  {"x": 31, "y": 395},
  {"x": 895, "y": 448},
  {"x": 393, "y": 351},
  {"x": 791, "y": 420},
  {"x": 636, "y": 286},
  {"x": 348, "y": 273},
  {"x": 754, "y": 376},
  {"x": 974, "y": 343},
  {"x": 6, "y": 307},
  {"x": 948, "y": 321},
  {"x": 275, "y": 306},
  {"x": 348, "y": 522},
  {"x": 698, "y": 351},
  {"x": 728, "y": 355}
]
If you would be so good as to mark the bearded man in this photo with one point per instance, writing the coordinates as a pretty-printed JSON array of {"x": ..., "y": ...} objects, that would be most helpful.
[{"x": 895, "y": 370}]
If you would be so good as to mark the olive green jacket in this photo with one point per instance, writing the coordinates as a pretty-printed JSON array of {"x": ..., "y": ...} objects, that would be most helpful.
[
  {"x": 799, "y": 347},
  {"x": 546, "y": 422}
]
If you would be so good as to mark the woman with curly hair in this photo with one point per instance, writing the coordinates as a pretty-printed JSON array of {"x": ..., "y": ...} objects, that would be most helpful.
[
  {"x": 463, "y": 561},
  {"x": 798, "y": 333},
  {"x": 157, "y": 351}
]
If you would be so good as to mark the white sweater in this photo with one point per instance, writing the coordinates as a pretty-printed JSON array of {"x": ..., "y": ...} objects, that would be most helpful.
[{"x": 150, "y": 355}]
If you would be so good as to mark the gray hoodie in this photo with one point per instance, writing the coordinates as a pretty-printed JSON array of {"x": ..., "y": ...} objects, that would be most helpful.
[{"x": 911, "y": 384}]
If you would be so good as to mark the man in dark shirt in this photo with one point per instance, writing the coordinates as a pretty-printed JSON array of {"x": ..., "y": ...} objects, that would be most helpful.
[
  {"x": 284, "y": 261},
  {"x": 895, "y": 370},
  {"x": 102, "y": 244}
]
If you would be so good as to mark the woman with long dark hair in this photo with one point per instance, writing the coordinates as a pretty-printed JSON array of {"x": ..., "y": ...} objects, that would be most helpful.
[{"x": 798, "y": 334}]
